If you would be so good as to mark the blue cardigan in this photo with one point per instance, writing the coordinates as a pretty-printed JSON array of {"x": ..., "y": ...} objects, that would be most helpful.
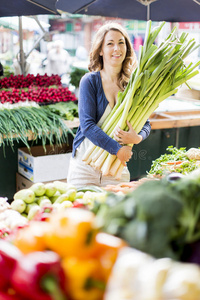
[{"x": 92, "y": 104}]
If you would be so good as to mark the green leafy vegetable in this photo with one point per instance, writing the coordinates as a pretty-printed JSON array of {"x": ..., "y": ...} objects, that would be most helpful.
[
  {"x": 160, "y": 217},
  {"x": 167, "y": 162},
  {"x": 66, "y": 110},
  {"x": 19, "y": 123}
]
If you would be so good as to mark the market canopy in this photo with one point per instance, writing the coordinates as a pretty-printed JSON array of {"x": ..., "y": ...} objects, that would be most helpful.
[
  {"x": 11, "y": 8},
  {"x": 156, "y": 10}
]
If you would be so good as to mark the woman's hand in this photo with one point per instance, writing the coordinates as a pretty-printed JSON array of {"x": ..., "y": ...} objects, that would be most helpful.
[
  {"x": 124, "y": 154},
  {"x": 127, "y": 137}
]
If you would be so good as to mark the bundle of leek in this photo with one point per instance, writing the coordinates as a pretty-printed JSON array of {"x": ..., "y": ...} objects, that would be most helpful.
[{"x": 160, "y": 71}]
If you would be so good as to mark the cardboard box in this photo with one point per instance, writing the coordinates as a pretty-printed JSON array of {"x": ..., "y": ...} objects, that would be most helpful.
[
  {"x": 24, "y": 183},
  {"x": 41, "y": 166}
]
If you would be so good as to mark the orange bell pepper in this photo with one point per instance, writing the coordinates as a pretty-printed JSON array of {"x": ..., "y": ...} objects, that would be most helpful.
[
  {"x": 31, "y": 237},
  {"x": 84, "y": 278},
  {"x": 72, "y": 233},
  {"x": 107, "y": 250}
]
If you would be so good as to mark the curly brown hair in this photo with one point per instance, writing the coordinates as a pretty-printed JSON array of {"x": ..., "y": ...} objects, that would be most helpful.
[{"x": 96, "y": 61}]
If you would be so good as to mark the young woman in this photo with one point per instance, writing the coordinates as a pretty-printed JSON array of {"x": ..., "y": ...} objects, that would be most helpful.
[{"x": 112, "y": 60}]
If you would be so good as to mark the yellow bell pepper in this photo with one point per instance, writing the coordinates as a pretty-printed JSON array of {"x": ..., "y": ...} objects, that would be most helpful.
[
  {"x": 84, "y": 278},
  {"x": 72, "y": 232}
]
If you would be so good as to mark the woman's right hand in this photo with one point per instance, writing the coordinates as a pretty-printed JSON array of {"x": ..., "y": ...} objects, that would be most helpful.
[{"x": 124, "y": 154}]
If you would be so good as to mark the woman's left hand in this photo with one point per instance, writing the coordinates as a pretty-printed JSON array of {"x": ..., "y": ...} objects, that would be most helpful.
[{"x": 127, "y": 137}]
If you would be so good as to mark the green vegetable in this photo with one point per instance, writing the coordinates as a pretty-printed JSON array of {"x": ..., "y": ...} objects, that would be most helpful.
[
  {"x": 76, "y": 75},
  {"x": 43, "y": 124},
  {"x": 160, "y": 217},
  {"x": 38, "y": 188},
  {"x": 160, "y": 166},
  {"x": 66, "y": 110},
  {"x": 145, "y": 218},
  {"x": 50, "y": 189},
  {"x": 90, "y": 188},
  {"x": 188, "y": 189},
  {"x": 61, "y": 187},
  {"x": 26, "y": 195},
  {"x": 28, "y": 206},
  {"x": 18, "y": 205},
  {"x": 71, "y": 192},
  {"x": 55, "y": 197},
  {"x": 34, "y": 210},
  {"x": 45, "y": 202}
]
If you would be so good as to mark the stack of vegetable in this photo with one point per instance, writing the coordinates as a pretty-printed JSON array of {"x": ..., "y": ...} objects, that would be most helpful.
[
  {"x": 160, "y": 217},
  {"x": 42, "y": 89},
  {"x": 177, "y": 160},
  {"x": 160, "y": 71},
  {"x": 21, "y": 121},
  {"x": 90, "y": 257},
  {"x": 76, "y": 265},
  {"x": 21, "y": 114},
  {"x": 66, "y": 110},
  {"x": 33, "y": 202}
]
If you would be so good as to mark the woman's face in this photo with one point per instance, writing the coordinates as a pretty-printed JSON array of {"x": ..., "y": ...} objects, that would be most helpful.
[{"x": 113, "y": 48}]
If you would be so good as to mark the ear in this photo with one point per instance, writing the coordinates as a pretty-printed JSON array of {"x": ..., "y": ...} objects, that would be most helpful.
[{"x": 101, "y": 53}]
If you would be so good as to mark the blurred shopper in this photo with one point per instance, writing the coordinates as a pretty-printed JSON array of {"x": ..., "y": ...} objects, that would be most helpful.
[
  {"x": 81, "y": 53},
  {"x": 58, "y": 59}
]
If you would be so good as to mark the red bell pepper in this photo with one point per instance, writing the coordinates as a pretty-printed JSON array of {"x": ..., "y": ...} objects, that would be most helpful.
[
  {"x": 10, "y": 296},
  {"x": 9, "y": 255},
  {"x": 39, "y": 276}
]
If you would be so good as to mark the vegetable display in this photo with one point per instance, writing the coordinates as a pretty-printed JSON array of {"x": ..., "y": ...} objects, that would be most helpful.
[
  {"x": 42, "y": 269},
  {"x": 21, "y": 81},
  {"x": 160, "y": 71},
  {"x": 75, "y": 76},
  {"x": 160, "y": 217},
  {"x": 86, "y": 256},
  {"x": 42, "y": 89},
  {"x": 66, "y": 110},
  {"x": 33, "y": 202},
  {"x": 40, "y": 95},
  {"x": 18, "y": 122},
  {"x": 134, "y": 245},
  {"x": 177, "y": 160}
]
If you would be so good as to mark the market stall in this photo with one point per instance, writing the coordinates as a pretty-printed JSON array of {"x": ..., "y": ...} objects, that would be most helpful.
[
  {"x": 102, "y": 245},
  {"x": 27, "y": 120},
  {"x": 138, "y": 242}
]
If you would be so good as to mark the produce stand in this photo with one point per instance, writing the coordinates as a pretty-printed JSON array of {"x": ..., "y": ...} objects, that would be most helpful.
[
  {"x": 176, "y": 122},
  {"x": 9, "y": 162},
  {"x": 170, "y": 126}
]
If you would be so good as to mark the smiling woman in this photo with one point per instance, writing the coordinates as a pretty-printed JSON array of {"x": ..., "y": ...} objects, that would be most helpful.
[{"x": 112, "y": 60}]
